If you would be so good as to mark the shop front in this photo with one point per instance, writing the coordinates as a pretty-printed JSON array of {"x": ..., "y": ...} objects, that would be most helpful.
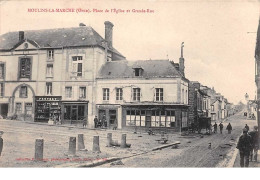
[
  {"x": 108, "y": 115},
  {"x": 74, "y": 112},
  {"x": 47, "y": 108},
  {"x": 154, "y": 116}
]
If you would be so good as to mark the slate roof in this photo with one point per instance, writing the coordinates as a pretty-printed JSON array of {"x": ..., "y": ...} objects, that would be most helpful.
[
  {"x": 61, "y": 37},
  {"x": 150, "y": 68}
]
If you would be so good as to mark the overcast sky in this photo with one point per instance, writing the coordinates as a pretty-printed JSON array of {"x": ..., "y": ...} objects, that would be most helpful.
[{"x": 218, "y": 50}]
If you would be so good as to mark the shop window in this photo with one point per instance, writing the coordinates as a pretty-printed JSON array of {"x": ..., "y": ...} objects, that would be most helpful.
[
  {"x": 1, "y": 89},
  {"x": 82, "y": 92},
  {"x": 23, "y": 92},
  {"x": 49, "y": 70},
  {"x": 170, "y": 118},
  {"x": 77, "y": 66},
  {"x": 130, "y": 118},
  {"x": 50, "y": 54},
  {"x": 81, "y": 110},
  {"x": 2, "y": 71},
  {"x": 105, "y": 94},
  {"x": 28, "y": 108},
  {"x": 119, "y": 94},
  {"x": 67, "y": 112},
  {"x": 68, "y": 92},
  {"x": 112, "y": 116},
  {"x": 25, "y": 68},
  {"x": 142, "y": 118},
  {"x": 18, "y": 108},
  {"x": 136, "y": 94},
  {"x": 48, "y": 88},
  {"x": 159, "y": 94}
]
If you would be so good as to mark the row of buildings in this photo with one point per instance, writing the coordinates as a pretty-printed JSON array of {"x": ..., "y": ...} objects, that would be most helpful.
[{"x": 69, "y": 74}]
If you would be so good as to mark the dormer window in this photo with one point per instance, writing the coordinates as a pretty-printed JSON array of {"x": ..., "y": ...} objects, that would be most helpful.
[
  {"x": 50, "y": 54},
  {"x": 138, "y": 71}
]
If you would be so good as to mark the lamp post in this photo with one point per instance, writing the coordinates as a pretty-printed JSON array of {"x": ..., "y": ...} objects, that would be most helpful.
[{"x": 247, "y": 104}]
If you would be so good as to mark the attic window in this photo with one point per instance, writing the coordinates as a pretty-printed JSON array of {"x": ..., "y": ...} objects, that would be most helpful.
[{"x": 138, "y": 71}]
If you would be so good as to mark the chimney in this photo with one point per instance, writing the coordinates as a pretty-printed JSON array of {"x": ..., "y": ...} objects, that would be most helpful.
[
  {"x": 82, "y": 24},
  {"x": 109, "y": 33},
  {"x": 21, "y": 35},
  {"x": 181, "y": 61}
]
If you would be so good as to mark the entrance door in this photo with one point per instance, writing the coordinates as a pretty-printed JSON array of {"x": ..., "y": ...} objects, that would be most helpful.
[
  {"x": 148, "y": 119},
  {"x": 4, "y": 110},
  {"x": 74, "y": 115},
  {"x": 112, "y": 117},
  {"x": 102, "y": 116}
]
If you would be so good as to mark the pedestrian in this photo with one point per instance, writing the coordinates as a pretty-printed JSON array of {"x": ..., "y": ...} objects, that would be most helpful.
[
  {"x": 103, "y": 121},
  {"x": 84, "y": 122},
  {"x": 221, "y": 127},
  {"x": 247, "y": 127},
  {"x": 1, "y": 142},
  {"x": 229, "y": 128},
  {"x": 254, "y": 141},
  {"x": 244, "y": 146},
  {"x": 115, "y": 125},
  {"x": 95, "y": 122},
  {"x": 215, "y": 127}
]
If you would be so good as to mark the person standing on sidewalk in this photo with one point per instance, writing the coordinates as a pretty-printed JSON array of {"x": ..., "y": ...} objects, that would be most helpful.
[
  {"x": 96, "y": 121},
  {"x": 221, "y": 127},
  {"x": 229, "y": 128},
  {"x": 215, "y": 127},
  {"x": 1, "y": 142},
  {"x": 254, "y": 142},
  {"x": 244, "y": 146}
]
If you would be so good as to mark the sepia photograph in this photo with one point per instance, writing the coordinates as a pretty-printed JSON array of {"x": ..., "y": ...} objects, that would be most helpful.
[{"x": 129, "y": 84}]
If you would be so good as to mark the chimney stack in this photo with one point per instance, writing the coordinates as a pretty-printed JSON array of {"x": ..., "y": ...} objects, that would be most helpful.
[
  {"x": 181, "y": 61},
  {"x": 21, "y": 35},
  {"x": 82, "y": 24},
  {"x": 109, "y": 33}
]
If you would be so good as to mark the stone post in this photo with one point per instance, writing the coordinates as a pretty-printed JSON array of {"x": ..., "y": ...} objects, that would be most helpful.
[
  {"x": 109, "y": 139},
  {"x": 96, "y": 147},
  {"x": 123, "y": 141},
  {"x": 81, "y": 144},
  {"x": 72, "y": 146},
  {"x": 38, "y": 156}
]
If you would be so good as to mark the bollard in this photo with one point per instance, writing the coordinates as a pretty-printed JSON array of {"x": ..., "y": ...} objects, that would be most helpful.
[
  {"x": 123, "y": 141},
  {"x": 72, "y": 146},
  {"x": 109, "y": 139},
  {"x": 81, "y": 144},
  {"x": 38, "y": 156},
  {"x": 96, "y": 147}
]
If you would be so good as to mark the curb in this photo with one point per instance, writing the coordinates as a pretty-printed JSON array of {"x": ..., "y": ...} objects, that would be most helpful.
[
  {"x": 89, "y": 164},
  {"x": 165, "y": 146}
]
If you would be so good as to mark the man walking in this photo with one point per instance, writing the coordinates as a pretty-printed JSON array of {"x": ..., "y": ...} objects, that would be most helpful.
[
  {"x": 247, "y": 127},
  {"x": 215, "y": 127},
  {"x": 221, "y": 127},
  {"x": 254, "y": 142},
  {"x": 1, "y": 142},
  {"x": 244, "y": 146},
  {"x": 229, "y": 128}
]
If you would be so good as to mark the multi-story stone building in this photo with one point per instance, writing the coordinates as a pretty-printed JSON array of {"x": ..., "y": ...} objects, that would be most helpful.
[{"x": 52, "y": 73}]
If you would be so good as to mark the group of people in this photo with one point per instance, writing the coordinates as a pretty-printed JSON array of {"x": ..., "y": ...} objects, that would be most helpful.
[
  {"x": 248, "y": 145},
  {"x": 221, "y": 126}
]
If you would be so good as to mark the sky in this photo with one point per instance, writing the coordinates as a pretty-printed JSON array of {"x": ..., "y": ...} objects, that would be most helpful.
[{"x": 219, "y": 36}]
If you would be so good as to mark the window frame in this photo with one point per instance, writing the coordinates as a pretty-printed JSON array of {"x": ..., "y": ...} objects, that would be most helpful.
[
  {"x": 48, "y": 91},
  {"x": 21, "y": 93},
  {"x": 2, "y": 74},
  {"x": 2, "y": 89},
  {"x": 20, "y": 66},
  {"x": 106, "y": 94},
  {"x": 50, "y": 57},
  {"x": 85, "y": 92},
  {"x": 119, "y": 94},
  {"x": 66, "y": 92},
  {"x": 136, "y": 93},
  {"x": 20, "y": 112},
  {"x": 47, "y": 72},
  {"x": 159, "y": 94},
  {"x": 76, "y": 60}
]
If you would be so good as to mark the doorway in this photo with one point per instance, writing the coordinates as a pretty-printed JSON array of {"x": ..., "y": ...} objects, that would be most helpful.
[{"x": 4, "y": 110}]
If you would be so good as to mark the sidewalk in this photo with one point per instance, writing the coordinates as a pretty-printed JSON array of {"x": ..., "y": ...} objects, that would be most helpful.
[{"x": 251, "y": 164}]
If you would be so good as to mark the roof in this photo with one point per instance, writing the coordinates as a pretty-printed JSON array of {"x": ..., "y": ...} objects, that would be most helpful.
[
  {"x": 150, "y": 68},
  {"x": 54, "y": 38}
]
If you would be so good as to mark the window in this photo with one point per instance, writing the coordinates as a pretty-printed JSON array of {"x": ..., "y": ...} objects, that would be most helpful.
[
  {"x": 186, "y": 97},
  {"x": 138, "y": 71},
  {"x": 170, "y": 118},
  {"x": 105, "y": 94},
  {"x": 182, "y": 96},
  {"x": 23, "y": 92},
  {"x": 25, "y": 68},
  {"x": 2, "y": 71},
  {"x": 119, "y": 94},
  {"x": 136, "y": 94},
  {"x": 50, "y": 54},
  {"x": 49, "y": 88},
  {"x": 77, "y": 66},
  {"x": 28, "y": 108},
  {"x": 82, "y": 92},
  {"x": 68, "y": 92},
  {"x": 212, "y": 108},
  {"x": 1, "y": 89},
  {"x": 18, "y": 108},
  {"x": 159, "y": 94},
  {"x": 49, "y": 70}
]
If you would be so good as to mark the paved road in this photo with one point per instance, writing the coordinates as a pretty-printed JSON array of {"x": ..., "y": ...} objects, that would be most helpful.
[{"x": 196, "y": 153}]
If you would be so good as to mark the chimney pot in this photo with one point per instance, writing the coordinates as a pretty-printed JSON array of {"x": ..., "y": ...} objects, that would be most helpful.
[
  {"x": 21, "y": 35},
  {"x": 82, "y": 24}
]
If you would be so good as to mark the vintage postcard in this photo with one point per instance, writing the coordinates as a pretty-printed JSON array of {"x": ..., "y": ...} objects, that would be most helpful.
[{"x": 123, "y": 84}]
